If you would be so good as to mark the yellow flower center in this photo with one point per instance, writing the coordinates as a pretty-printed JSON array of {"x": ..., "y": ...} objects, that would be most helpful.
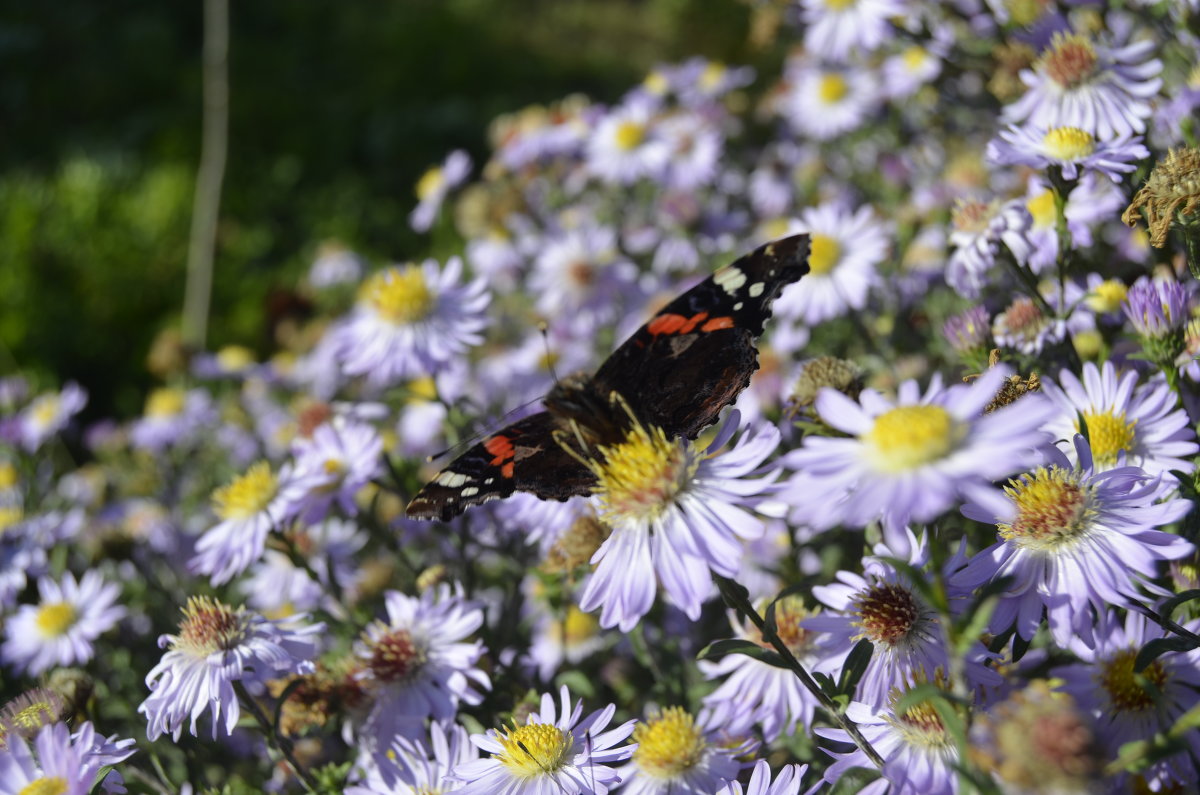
[
  {"x": 887, "y": 614},
  {"x": 1107, "y": 296},
  {"x": 922, "y": 727},
  {"x": 656, "y": 83},
  {"x": 832, "y": 88},
  {"x": 247, "y": 494},
  {"x": 1053, "y": 509},
  {"x": 641, "y": 476},
  {"x": 535, "y": 749},
  {"x": 1070, "y": 60},
  {"x": 914, "y": 57},
  {"x": 10, "y": 515},
  {"x": 8, "y": 475},
  {"x": 669, "y": 744},
  {"x": 50, "y": 785},
  {"x": 1108, "y": 434},
  {"x": 399, "y": 295},
  {"x": 233, "y": 358},
  {"x": 840, "y": 5},
  {"x": 1068, "y": 143},
  {"x": 55, "y": 619},
  {"x": 823, "y": 254},
  {"x": 45, "y": 409},
  {"x": 579, "y": 626},
  {"x": 712, "y": 75},
  {"x": 165, "y": 402},
  {"x": 629, "y": 135},
  {"x": 430, "y": 183},
  {"x": 423, "y": 388},
  {"x": 908, "y": 437},
  {"x": 1042, "y": 208},
  {"x": 790, "y": 613},
  {"x": 1126, "y": 694},
  {"x": 208, "y": 626},
  {"x": 34, "y": 716}
]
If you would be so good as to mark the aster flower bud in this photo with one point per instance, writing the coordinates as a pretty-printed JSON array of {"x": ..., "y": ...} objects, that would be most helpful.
[
  {"x": 827, "y": 371},
  {"x": 26, "y": 714},
  {"x": 1171, "y": 197},
  {"x": 970, "y": 335},
  {"x": 1158, "y": 312}
]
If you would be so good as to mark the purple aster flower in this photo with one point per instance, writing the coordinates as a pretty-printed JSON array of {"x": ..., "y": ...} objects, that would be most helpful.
[
  {"x": 970, "y": 331},
  {"x": 410, "y": 321},
  {"x": 1143, "y": 420},
  {"x": 919, "y": 755},
  {"x": 882, "y": 606},
  {"x": 1023, "y": 326},
  {"x": 217, "y": 646},
  {"x": 573, "y": 637},
  {"x": 786, "y": 783},
  {"x": 1123, "y": 708},
  {"x": 333, "y": 464},
  {"x": 1075, "y": 541},
  {"x": 61, "y": 763},
  {"x": 676, "y": 515},
  {"x": 837, "y": 30},
  {"x": 696, "y": 146},
  {"x": 626, "y": 145},
  {"x": 1069, "y": 148},
  {"x": 171, "y": 414},
  {"x": 979, "y": 230},
  {"x": 915, "y": 459},
  {"x": 678, "y": 754},
  {"x": 554, "y": 752},
  {"x": 1101, "y": 89},
  {"x": 48, "y": 414},
  {"x": 1093, "y": 201},
  {"x": 755, "y": 693},
  {"x": 434, "y": 186},
  {"x": 418, "y": 663},
  {"x": 249, "y": 507},
  {"x": 334, "y": 266},
  {"x": 913, "y": 67},
  {"x": 59, "y": 630},
  {"x": 1156, "y": 307},
  {"x": 825, "y": 102},
  {"x": 582, "y": 272},
  {"x": 845, "y": 248},
  {"x": 414, "y": 767}
]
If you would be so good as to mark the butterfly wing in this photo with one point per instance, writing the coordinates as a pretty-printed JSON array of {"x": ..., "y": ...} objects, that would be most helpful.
[
  {"x": 697, "y": 354},
  {"x": 520, "y": 457}
]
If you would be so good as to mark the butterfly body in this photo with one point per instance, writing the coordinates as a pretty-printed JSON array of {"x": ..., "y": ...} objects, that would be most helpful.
[{"x": 677, "y": 372}]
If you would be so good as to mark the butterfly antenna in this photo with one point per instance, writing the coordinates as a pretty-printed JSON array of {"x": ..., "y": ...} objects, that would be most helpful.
[{"x": 542, "y": 767}]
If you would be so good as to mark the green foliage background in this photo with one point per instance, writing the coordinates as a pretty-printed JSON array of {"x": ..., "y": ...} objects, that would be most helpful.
[{"x": 336, "y": 110}]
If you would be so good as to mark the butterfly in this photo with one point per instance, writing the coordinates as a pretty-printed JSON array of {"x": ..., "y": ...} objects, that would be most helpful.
[{"x": 677, "y": 372}]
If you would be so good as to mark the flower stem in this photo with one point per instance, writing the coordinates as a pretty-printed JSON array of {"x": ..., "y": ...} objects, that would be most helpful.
[
  {"x": 274, "y": 739},
  {"x": 737, "y": 597}
]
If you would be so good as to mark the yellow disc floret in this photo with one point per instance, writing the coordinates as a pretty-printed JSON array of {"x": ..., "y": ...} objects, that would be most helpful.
[
  {"x": 398, "y": 295},
  {"x": 1042, "y": 208},
  {"x": 832, "y": 88},
  {"x": 824, "y": 253},
  {"x": 535, "y": 749},
  {"x": 908, "y": 437},
  {"x": 165, "y": 402},
  {"x": 56, "y": 618},
  {"x": 1068, "y": 143},
  {"x": 1053, "y": 509},
  {"x": 642, "y": 475},
  {"x": 49, "y": 785},
  {"x": 1107, "y": 296},
  {"x": 1125, "y": 692},
  {"x": 668, "y": 744},
  {"x": 629, "y": 135},
  {"x": 247, "y": 494},
  {"x": 430, "y": 183},
  {"x": 1109, "y": 434}
]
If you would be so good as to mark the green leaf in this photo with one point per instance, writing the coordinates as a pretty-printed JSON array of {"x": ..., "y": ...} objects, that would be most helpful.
[
  {"x": 1158, "y": 647},
  {"x": 855, "y": 666},
  {"x": 723, "y": 648}
]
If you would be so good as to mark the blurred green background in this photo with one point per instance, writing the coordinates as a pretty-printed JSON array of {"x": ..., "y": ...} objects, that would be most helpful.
[{"x": 336, "y": 110}]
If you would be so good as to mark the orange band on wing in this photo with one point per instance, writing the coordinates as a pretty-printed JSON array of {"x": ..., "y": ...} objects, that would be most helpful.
[
  {"x": 678, "y": 324},
  {"x": 717, "y": 323},
  {"x": 501, "y": 447}
]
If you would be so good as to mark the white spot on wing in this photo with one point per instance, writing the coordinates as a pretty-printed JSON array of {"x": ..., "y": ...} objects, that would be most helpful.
[
  {"x": 730, "y": 279},
  {"x": 756, "y": 289},
  {"x": 451, "y": 480},
  {"x": 737, "y": 306},
  {"x": 469, "y": 491}
]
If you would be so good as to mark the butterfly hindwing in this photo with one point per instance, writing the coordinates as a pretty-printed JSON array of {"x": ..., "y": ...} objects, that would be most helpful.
[
  {"x": 520, "y": 457},
  {"x": 697, "y": 354}
]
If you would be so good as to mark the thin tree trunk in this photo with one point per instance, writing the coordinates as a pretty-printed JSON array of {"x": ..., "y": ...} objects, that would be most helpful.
[{"x": 207, "y": 204}]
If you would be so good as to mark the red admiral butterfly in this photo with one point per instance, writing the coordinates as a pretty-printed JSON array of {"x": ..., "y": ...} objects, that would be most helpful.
[{"x": 677, "y": 372}]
